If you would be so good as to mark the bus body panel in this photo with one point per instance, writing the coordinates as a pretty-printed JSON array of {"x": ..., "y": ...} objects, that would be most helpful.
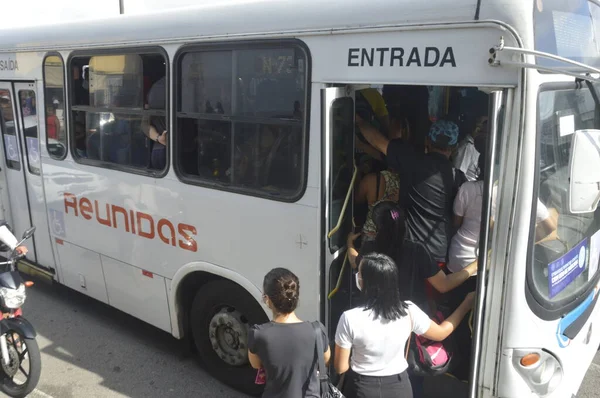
[
  {"x": 158, "y": 226},
  {"x": 425, "y": 55}
]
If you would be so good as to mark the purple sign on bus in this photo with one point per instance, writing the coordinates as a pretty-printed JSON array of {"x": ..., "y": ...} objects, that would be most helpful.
[{"x": 567, "y": 268}]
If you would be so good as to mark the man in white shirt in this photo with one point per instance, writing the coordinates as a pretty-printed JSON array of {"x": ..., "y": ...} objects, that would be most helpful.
[{"x": 7, "y": 237}]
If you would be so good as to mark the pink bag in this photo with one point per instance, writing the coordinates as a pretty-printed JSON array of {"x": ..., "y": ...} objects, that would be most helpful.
[
  {"x": 261, "y": 377},
  {"x": 426, "y": 357}
]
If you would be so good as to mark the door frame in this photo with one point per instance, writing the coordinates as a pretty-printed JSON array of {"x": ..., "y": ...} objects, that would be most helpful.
[{"x": 24, "y": 164}]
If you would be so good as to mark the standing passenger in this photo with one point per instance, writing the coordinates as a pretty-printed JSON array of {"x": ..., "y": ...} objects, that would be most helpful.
[
  {"x": 415, "y": 263},
  {"x": 377, "y": 333},
  {"x": 285, "y": 347},
  {"x": 430, "y": 179},
  {"x": 467, "y": 215}
]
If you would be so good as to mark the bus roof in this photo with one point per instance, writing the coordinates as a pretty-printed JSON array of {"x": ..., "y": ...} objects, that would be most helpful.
[{"x": 233, "y": 18}]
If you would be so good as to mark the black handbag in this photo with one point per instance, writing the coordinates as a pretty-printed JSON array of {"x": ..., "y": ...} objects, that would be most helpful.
[{"x": 328, "y": 390}]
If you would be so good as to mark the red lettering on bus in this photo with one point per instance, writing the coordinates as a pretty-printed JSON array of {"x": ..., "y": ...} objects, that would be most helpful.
[
  {"x": 85, "y": 208},
  {"x": 146, "y": 226},
  {"x": 143, "y": 216},
  {"x": 166, "y": 223},
  {"x": 188, "y": 243},
  {"x": 70, "y": 201},
  {"x": 132, "y": 218},
  {"x": 119, "y": 210},
  {"x": 103, "y": 221}
]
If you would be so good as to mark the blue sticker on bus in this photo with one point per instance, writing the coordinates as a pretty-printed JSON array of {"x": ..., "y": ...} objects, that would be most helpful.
[
  {"x": 567, "y": 268},
  {"x": 57, "y": 223}
]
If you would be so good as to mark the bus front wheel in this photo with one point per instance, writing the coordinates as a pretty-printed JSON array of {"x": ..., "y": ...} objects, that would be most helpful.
[{"x": 220, "y": 316}]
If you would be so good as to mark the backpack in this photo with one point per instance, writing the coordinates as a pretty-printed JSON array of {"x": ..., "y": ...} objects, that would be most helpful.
[{"x": 426, "y": 357}]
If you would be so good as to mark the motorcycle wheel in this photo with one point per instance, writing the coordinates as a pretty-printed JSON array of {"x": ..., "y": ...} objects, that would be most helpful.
[{"x": 21, "y": 375}]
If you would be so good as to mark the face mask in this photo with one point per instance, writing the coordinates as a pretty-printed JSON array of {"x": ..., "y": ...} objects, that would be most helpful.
[{"x": 357, "y": 277}]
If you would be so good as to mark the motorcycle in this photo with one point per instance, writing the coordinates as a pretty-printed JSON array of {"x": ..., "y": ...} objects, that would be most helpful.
[{"x": 20, "y": 360}]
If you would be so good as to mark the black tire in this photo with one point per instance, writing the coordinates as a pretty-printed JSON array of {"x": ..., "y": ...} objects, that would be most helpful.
[
  {"x": 9, "y": 387},
  {"x": 209, "y": 300}
]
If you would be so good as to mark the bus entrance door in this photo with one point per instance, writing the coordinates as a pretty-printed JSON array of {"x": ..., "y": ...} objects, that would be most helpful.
[
  {"x": 22, "y": 162},
  {"x": 339, "y": 175}
]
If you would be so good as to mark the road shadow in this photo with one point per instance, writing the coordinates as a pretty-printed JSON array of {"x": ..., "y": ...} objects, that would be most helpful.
[{"x": 125, "y": 355}]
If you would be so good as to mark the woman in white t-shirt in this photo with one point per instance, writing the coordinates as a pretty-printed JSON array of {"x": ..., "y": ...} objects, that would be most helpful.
[
  {"x": 376, "y": 333},
  {"x": 467, "y": 218}
]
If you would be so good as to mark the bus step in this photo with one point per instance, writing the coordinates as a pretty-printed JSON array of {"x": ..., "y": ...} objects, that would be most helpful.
[{"x": 42, "y": 273}]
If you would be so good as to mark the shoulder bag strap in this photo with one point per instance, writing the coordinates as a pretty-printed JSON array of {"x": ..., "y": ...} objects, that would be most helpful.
[{"x": 323, "y": 378}]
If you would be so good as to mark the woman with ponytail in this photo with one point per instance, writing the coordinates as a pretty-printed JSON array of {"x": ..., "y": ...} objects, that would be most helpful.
[{"x": 285, "y": 347}]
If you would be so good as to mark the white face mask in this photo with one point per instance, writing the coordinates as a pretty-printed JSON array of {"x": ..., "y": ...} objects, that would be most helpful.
[{"x": 357, "y": 277}]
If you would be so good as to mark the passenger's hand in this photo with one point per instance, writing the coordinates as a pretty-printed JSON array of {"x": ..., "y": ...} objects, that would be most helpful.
[
  {"x": 22, "y": 250},
  {"x": 353, "y": 235},
  {"x": 470, "y": 299},
  {"x": 162, "y": 138}
]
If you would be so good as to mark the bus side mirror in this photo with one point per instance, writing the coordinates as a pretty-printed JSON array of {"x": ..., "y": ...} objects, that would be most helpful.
[
  {"x": 584, "y": 172},
  {"x": 29, "y": 233}
]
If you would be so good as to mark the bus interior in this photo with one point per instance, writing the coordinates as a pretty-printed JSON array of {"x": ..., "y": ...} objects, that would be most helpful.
[{"x": 411, "y": 109}]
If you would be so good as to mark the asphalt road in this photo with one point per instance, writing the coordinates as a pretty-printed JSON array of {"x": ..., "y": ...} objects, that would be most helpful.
[{"x": 91, "y": 350}]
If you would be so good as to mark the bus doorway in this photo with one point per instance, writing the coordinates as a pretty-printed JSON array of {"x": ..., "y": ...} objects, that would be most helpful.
[
  {"x": 22, "y": 165},
  {"x": 405, "y": 113}
]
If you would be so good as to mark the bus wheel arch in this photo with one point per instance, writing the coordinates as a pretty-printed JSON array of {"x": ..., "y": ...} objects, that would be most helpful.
[
  {"x": 189, "y": 279},
  {"x": 215, "y": 313}
]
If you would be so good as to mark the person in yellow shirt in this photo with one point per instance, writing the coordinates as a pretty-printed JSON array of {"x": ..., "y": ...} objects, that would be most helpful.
[{"x": 377, "y": 105}]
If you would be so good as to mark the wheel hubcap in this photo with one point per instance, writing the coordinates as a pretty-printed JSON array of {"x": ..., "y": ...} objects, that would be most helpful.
[
  {"x": 13, "y": 366},
  {"x": 228, "y": 333}
]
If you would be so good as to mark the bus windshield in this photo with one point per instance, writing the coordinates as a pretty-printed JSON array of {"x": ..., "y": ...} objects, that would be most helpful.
[
  {"x": 570, "y": 29},
  {"x": 561, "y": 237}
]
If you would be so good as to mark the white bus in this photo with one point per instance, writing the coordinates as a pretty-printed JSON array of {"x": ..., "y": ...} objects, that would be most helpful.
[{"x": 258, "y": 101}]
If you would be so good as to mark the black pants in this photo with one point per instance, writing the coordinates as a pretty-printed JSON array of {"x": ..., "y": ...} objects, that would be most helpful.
[{"x": 359, "y": 386}]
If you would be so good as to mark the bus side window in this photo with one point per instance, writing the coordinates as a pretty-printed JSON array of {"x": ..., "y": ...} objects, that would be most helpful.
[
  {"x": 110, "y": 106},
  {"x": 248, "y": 135},
  {"x": 54, "y": 97}
]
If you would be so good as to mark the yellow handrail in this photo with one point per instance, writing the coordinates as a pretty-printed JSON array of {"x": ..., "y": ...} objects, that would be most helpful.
[
  {"x": 341, "y": 218},
  {"x": 339, "y": 281}
]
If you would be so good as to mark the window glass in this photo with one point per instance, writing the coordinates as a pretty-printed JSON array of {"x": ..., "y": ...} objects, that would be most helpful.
[
  {"x": 560, "y": 269},
  {"x": 54, "y": 95},
  {"x": 119, "y": 111},
  {"x": 30, "y": 128},
  {"x": 116, "y": 81},
  {"x": 240, "y": 120},
  {"x": 568, "y": 29},
  {"x": 206, "y": 82},
  {"x": 9, "y": 131},
  {"x": 270, "y": 83}
]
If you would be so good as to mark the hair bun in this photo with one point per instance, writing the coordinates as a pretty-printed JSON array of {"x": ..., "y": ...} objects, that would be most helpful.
[
  {"x": 290, "y": 289},
  {"x": 283, "y": 289}
]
